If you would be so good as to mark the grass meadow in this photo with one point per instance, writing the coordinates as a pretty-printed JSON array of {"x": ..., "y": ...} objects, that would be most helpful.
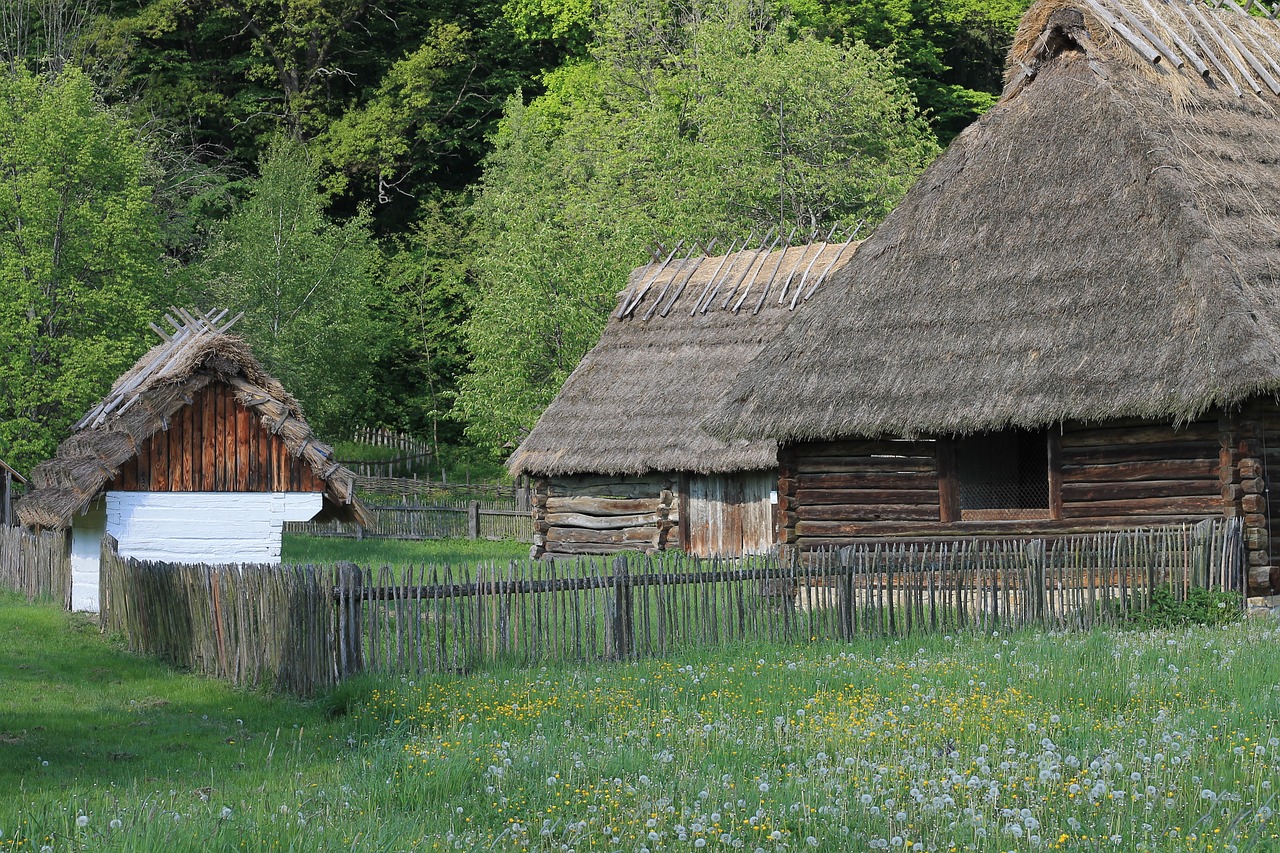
[
  {"x": 1125, "y": 741},
  {"x": 298, "y": 548}
]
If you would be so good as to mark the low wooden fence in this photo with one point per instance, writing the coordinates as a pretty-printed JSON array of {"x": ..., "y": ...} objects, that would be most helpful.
[
  {"x": 256, "y": 626},
  {"x": 305, "y": 628},
  {"x": 437, "y": 520},
  {"x": 38, "y": 565}
]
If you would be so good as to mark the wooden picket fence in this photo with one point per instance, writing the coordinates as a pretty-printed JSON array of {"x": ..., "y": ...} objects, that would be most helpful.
[
  {"x": 440, "y": 519},
  {"x": 304, "y": 629},
  {"x": 38, "y": 565}
]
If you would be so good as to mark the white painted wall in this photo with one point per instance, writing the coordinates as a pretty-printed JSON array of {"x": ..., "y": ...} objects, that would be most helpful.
[
  {"x": 86, "y": 545},
  {"x": 191, "y": 527}
]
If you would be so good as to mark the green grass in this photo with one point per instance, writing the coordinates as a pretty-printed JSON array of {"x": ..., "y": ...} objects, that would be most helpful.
[
  {"x": 1120, "y": 741},
  {"x": 395, "y": 552}
]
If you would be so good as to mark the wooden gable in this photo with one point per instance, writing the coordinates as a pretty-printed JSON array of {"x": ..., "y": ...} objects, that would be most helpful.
[{"x": 214, "y": 444}]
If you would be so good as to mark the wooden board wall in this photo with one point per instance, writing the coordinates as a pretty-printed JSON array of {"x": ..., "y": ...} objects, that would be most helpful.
[
  {"x": 604, "y": 514},
  {"x": 728, "y": 515},
  {"x": 1122, "y": 474},
  {"x": 215, "y": 445}
]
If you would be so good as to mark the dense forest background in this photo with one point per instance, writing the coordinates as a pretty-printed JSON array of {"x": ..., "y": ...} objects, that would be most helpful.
[{"x": 425, "y": 208}]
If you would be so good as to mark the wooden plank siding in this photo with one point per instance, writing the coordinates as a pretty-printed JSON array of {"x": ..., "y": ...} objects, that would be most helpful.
[
  {"x": 1100, "y": 477},
  {"x": 215, "y": 445},
  {"x": 729, "y": 515}
]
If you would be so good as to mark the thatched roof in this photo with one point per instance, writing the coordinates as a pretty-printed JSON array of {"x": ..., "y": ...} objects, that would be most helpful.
[
  {"x": 681, "y": 332},
  {"x": 143, "y": 400},
  {"x": 1104, "y": 243}
]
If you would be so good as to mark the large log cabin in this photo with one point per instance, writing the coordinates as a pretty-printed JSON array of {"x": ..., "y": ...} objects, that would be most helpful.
[
  {"x": 617, "y": 459},
  {"x": 1072, "y": 320},
  {"x": 196, "y": 456}
]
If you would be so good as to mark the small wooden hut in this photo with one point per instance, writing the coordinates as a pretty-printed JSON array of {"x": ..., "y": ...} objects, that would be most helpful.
[
  {"x": 8, "y": 479},
  {"x": 1071, "y": 321},
  {"x": 617, "y": 459},
  {"x": 196, "y": 456}
]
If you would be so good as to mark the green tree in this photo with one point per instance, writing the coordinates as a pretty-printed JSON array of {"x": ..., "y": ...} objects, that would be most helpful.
[
  {"x": 952, "y": 51},
  {"x": 79, "y": 256},
  {"x": 693, "y": 120},
  {"x": 306, "y": 284}
]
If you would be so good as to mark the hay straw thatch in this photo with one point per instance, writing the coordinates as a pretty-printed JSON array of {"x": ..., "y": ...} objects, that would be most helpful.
[
  {"x": 143, "y": 401},
  {"x": 680, "y": 334},
  {"x": 1104, "y": 243}
]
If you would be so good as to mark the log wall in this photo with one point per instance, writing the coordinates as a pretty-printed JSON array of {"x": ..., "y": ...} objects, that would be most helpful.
[
  {"x": 215, "y": 445},
  {"x": 1101, "y": 477},
  {"x": 605, "y": 514},
  {"x": 835, "y": 492}
]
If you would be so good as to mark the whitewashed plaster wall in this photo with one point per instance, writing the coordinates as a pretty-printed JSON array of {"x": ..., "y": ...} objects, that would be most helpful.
[
  {"x": 86, "y": 539},
  {"x": 186, "y": 527}
]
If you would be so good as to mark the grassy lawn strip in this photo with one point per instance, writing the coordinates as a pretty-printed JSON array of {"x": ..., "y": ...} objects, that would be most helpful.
[
  {"x": 1158, "y": 741},
  {"x": 396, "y": 552}
]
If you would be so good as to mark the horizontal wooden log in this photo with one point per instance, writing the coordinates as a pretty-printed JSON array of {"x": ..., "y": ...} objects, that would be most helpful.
[
  {"x": 575, "y": 549},
  {"x": 1144, "y": 507},
  {"x": 867, "y": 512},
  {"x": 1094, "y": 454},
  {"x": 601, "y": 522},
  {"x": 1257, "y": 540},
  {"x": 1254, "y": 503},
  {"x": 1249, "y": 468},
  {"x": 924, "y": 480},
  {"x": 1259, "y": 558},
  {"x": 580, "y": 535},
  {"x": 852, "y": 531},
  {"x": 1253, "y": 486},
  {"x": 1155, "y": 434},
  {"x": 925, "y": 449},
  {"x": 1078, "y": 492},
  {"x": 1254, "y": 519},
  {"x": 912, "y": 497},
  {"x": 593, "y": 505},
  {"x": 624, "y": 490},
  {"x": 1171, "y": 469},
  {"x": 860, "y": 464}
]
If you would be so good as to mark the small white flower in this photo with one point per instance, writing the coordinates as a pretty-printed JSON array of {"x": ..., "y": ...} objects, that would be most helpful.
[
  {"x": 115, "y": 823},
  {"x": 226, "y": 813},
  {"x": 82, "y": 821},
  {"x": 764, "y": 787}
]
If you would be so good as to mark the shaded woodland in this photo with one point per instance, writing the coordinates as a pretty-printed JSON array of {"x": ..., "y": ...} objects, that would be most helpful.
[{"x": 425, "y": 208}]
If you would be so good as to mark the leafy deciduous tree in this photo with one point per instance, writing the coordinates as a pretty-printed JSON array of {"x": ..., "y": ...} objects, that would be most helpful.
[
  {"x": 699, "y": 119},
  {"x": 306, "y": 284},
  {"x": 79, "y": 256}
]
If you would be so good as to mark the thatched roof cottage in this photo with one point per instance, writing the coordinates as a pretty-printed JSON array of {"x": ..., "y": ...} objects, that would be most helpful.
[
  {"x": 196, "y": 456},
  {"x": 617, "y": 458},
  {"x": 1071, "y": 321}
]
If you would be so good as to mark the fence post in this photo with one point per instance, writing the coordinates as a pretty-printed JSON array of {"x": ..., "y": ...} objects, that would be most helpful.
[
  {"x": 473, "y": 520},
  {"x": 622, "y": 611},
  {"x": 1201, "y": 554}
]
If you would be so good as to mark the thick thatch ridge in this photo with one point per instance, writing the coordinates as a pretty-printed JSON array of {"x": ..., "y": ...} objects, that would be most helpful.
[
  {"x": 679, "y": 335},
  {"x": 141, "y": 403},
  {"x": 1102, "y": 244}
]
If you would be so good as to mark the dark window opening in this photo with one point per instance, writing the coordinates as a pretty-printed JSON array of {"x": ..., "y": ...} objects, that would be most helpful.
[{"x": 1003, "y": 475}]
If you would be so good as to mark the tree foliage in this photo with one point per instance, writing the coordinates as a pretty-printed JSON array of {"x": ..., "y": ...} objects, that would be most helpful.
[
  {"x": 697, "y": 120},
  {"x": 79, "y": 251},
  {"x": 306, "y": 284}
]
